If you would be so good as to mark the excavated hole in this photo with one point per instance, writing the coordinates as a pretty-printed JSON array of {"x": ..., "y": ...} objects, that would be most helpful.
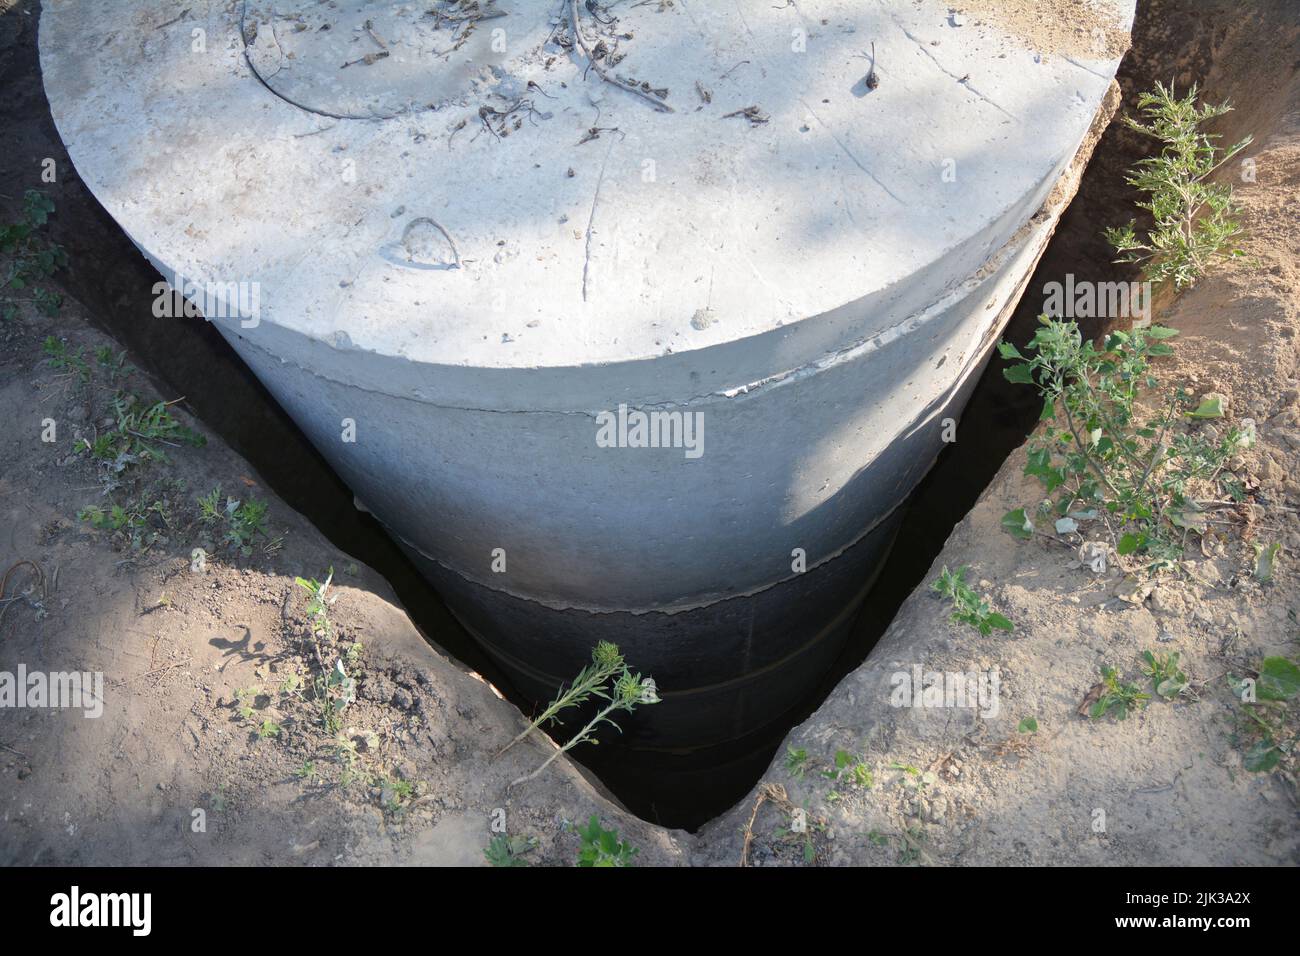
[{"x": 1172, "y": 40}]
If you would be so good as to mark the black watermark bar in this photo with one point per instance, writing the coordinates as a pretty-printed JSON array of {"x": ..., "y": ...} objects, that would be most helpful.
[{"x": 134, "y": 905}]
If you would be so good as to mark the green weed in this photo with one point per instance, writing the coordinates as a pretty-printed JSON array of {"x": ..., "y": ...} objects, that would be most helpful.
[
  {"x": 601, "y": 847},
  {"x": 1166, "y": 677},
  {"x": 509, "y": 851},
  {"x": 849, "y": 768},
  {"x": 1269, "y": 733},
  {"x": 606, "y": 661},
  {"x": 967, "y": 606},
  {"x": 238, "y": 521},
  {"x": 318, "y": 604},
  {"x": 796, "y": 761},
  {"x": 1100, "y": 457},
  {"x": 28, "y": 257},
  {"x": 59, "y": 357},
  {"x": 138, "y": 431},
  {"x": 1195, "y": 220},
  {"x": 625, "y": 694},
  {"x": 1117, "y": 697}
]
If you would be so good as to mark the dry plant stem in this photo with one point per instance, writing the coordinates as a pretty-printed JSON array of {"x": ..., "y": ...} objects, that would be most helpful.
[
  {"x": 546, "y": 715},
  {"x": 1170, "y": 408},
  {"x": 4, "y": 584},
  {"x": 774, "y": 792},
  {"x": 588, "y": 682},
  {"x": 1069, "y": 418},
  {"x": 1156, "y": 453},
  {"x": 600, "y": 70},
  {"x": 577, "y": 739}
]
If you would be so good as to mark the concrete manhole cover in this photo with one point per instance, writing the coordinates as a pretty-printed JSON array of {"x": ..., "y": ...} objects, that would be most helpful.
[
  {"x": 357, "y": 59},
  {"x": 652, "y": 357}
]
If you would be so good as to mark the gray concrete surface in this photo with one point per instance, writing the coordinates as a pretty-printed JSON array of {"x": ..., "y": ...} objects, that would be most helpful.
[{"x": 471, "y": 250}]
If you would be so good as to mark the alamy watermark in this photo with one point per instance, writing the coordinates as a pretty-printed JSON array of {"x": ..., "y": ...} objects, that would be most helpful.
[
  {"x": 932, "y": 689},
  {"x": 1097, "y": 300},
  {"x": 130, "y": 910},
  {"x": 59, "y": 689},
  {"x": 240, "y": 300},
  {"x": 653, "y": 429}
]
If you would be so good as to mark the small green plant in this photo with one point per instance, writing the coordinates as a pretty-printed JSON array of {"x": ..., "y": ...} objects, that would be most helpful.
[
  {"x": 318, "y": 604},
  {"x": 1270, "y": 732},
  {"x": 334, "y": 689},
  {"x": 239, "y": 521},
  {"x": 245, "y": 701},
  {"x": 796, "y": 760},
  {"x": 1166, "y": 677},
  {"x": 1117, "y": 697},
  {"x": 606, "y": 661},
  {"x": 306, "y": 770},
  {"x": 113, "y": 518},
  {"x": 911, "y": 846},
  {"x": 628, "y": 692},
  {"x": 139, "y": 429},
  {"x": 1194, "y": 220},
  {"x": 144, "y": 520},
  {"x": 800, "y": 834},
  {"x": 114, "y": 365},
  {"x": 268, "y": 728},
  {"x": 335, "y": 692},
  {"x": 1027, "y": 725},
  {"x": 345, "y": 753},
  {"x": 58, "y": 356},
  {"x": 29, "y": 258},
  {"x": 509, "y": 851},
  {"x": 967, "y": 606},
  {"x": 850, "y": 769},
  {"x": 601, "y": 847},
  {"x": 395, "y": 793},
  {"x": 1100, "y": 457}
]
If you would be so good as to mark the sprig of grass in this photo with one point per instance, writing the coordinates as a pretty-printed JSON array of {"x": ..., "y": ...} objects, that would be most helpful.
[
  {"x": 1195, "y": 220},
  {"x": 1118, "y": 697},
  {"x": 629, "y": 692},
  {"x": 967, "y": 606},
  {"x": 139, "y": 429},
  {"x": 606, "y": 661}
]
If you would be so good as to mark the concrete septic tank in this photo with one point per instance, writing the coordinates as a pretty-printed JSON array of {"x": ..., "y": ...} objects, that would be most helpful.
[{"x": 481, "y": 272}]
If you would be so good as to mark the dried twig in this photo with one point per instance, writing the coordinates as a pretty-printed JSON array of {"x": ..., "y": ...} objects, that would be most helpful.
[
  {"x": 754, "y": 114},
  {"x": 14, "y": 750},
  {"x": 770, "y": 791},
  {"x": 4, "y": 585},
  {"x": 581, "y": 42}
]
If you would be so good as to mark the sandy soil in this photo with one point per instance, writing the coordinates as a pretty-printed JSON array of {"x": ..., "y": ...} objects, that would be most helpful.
[{"x": 173, "y": 772}]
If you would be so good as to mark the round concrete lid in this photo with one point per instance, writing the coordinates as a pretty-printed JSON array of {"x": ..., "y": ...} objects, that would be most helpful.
[
  {"x": 458, "y": 183},
  {"x": 356, "y": 59}
]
